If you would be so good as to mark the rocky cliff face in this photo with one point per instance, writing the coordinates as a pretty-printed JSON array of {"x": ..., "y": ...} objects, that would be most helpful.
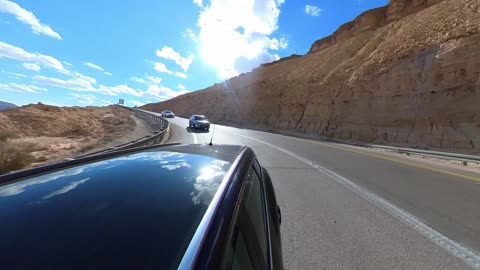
[{"x": 405, "y": 74}]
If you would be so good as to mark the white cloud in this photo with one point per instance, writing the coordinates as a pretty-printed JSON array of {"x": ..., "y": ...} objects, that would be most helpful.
[
  {"x": 170, "y": 54},
  {"x": 81, "y": 82},
  {"x": 181, "y": 87},
  {"x": 181, "y": 75},
  {"x": 279, "y": 44},
  {"x": 235, "y": 35},
  {"x": 28, "y": 18},
  {"x": 136, "y": 103},
  {"x": 160, "y": 67},
  {"x": 16, "y": 53},
  {"x": 15, "y": 87},
  {"x": 76, "y": 82},
  {"x": 283, "y": 44},
  {"x": 92, "y": 65},
  {"x": 31, "y": 66},
  {"x": 153, "y": 91},
  {"x": 118, "y": 89},
  {"x": 67, "y": 63},
  {"x": 153, "y": 79},
  {"x": 107, "y": 73},
  {"x": 313, "y": 10},
  {"x": 85, "y": 99},
  {"x": 137, "y": 79},
  {"x": 162, "y": 92},
  {"x": 18, "y": 75},
  {"x": 198, "y": 3},
  {"x": 189, "y": 33}
]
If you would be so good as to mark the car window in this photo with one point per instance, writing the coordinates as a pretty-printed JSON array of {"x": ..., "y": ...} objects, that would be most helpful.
[
  {"x": 200, "y": 118},
  {"x": 248, "y": 248}
]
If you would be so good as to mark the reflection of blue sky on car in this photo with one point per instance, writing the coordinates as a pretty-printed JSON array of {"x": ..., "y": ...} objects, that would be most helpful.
[
  {"x": 16, "y": 188},
  {"x": 100, "y": 203},
  {"x": 202, "y": 173}
]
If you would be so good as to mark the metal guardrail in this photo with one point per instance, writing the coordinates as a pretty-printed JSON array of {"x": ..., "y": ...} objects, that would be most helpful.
[
  {"x": 429, "y": 153},
  {"x": 158, "y": 125},
  {"x": 447, "y": 155}
]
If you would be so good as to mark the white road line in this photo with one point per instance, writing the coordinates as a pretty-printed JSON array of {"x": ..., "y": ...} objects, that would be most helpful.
[
  {"x": 452, "y": 247},
  {"x": 195, "y": 141}
]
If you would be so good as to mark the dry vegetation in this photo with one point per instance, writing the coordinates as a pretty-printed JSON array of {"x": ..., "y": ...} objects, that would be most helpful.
[
  {"x": 36, "y": 134},
  {"x": 13, "y": 155}
]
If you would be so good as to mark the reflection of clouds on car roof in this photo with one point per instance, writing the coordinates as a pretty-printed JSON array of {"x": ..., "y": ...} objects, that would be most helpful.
[
  {"x": 17, "y": 188},
  {"x": 65, "y": 189},
  {"x": 207, "y": 183},
  {"x": 177, "y": 165}
]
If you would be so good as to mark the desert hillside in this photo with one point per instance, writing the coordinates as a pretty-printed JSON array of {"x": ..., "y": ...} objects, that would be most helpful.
[
  {"x": 404, "y": 74},
  {"x": 42, "y": 133}
]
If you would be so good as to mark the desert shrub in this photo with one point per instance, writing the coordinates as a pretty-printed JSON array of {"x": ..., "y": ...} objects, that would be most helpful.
[
  {"x": 14, "y": 155},
  {"x": 6, "y": 135},
  {"x": 41, "y": 159}
]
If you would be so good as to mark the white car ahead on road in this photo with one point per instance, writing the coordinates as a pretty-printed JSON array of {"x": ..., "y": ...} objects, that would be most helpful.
[{"x": 168, "y": 114}]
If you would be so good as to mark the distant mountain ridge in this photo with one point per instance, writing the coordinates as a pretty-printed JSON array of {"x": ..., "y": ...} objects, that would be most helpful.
[{"x": 6, "y": 105}]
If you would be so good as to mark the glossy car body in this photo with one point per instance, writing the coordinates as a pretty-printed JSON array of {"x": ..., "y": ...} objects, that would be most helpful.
[
  {"x": 199, "y": 122},
  {"x": 168, "y": 114},
  {"x": 169, "y": 207}
]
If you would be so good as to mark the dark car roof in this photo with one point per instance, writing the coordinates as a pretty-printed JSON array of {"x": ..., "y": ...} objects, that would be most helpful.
[{"x": 138, "y": 210}]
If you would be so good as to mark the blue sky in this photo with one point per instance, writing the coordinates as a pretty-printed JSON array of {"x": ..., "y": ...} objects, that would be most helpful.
[{"x": 79, "y": 53}]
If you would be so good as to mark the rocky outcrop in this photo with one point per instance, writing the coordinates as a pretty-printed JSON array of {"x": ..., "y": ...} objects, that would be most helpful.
[
  {"x": 406, "y": 74},
  {"x": 372, "y": 20}
]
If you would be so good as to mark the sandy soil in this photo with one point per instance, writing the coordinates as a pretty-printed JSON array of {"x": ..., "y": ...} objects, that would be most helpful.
[{"x": 56, "y": 133}]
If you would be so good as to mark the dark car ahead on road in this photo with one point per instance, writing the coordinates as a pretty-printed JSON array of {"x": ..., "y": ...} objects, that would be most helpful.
[
  {"x": 169, "y": 207},
  {"x": 199, "y": 121},
  {"x": 168, "y": 114}
]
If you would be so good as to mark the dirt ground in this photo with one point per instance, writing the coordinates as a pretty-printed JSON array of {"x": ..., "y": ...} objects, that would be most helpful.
[{"x": 56, "y": 133}]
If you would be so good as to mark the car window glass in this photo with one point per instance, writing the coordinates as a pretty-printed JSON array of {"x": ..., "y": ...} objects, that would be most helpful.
[{"x": 248, "y": 248}]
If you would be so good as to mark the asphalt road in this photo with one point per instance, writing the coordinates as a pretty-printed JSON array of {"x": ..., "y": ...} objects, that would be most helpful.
[{"x": 349, "y": 208}]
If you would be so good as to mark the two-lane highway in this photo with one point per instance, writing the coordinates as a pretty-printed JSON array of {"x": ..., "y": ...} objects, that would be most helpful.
[{"x": 349, "y": 208}]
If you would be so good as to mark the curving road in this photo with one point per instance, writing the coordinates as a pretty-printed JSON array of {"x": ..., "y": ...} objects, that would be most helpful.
[{"x": 346, "y": 207}]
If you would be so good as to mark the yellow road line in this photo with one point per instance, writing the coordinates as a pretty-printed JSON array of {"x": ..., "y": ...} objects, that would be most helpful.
[{"x": 398, "y": 161}]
